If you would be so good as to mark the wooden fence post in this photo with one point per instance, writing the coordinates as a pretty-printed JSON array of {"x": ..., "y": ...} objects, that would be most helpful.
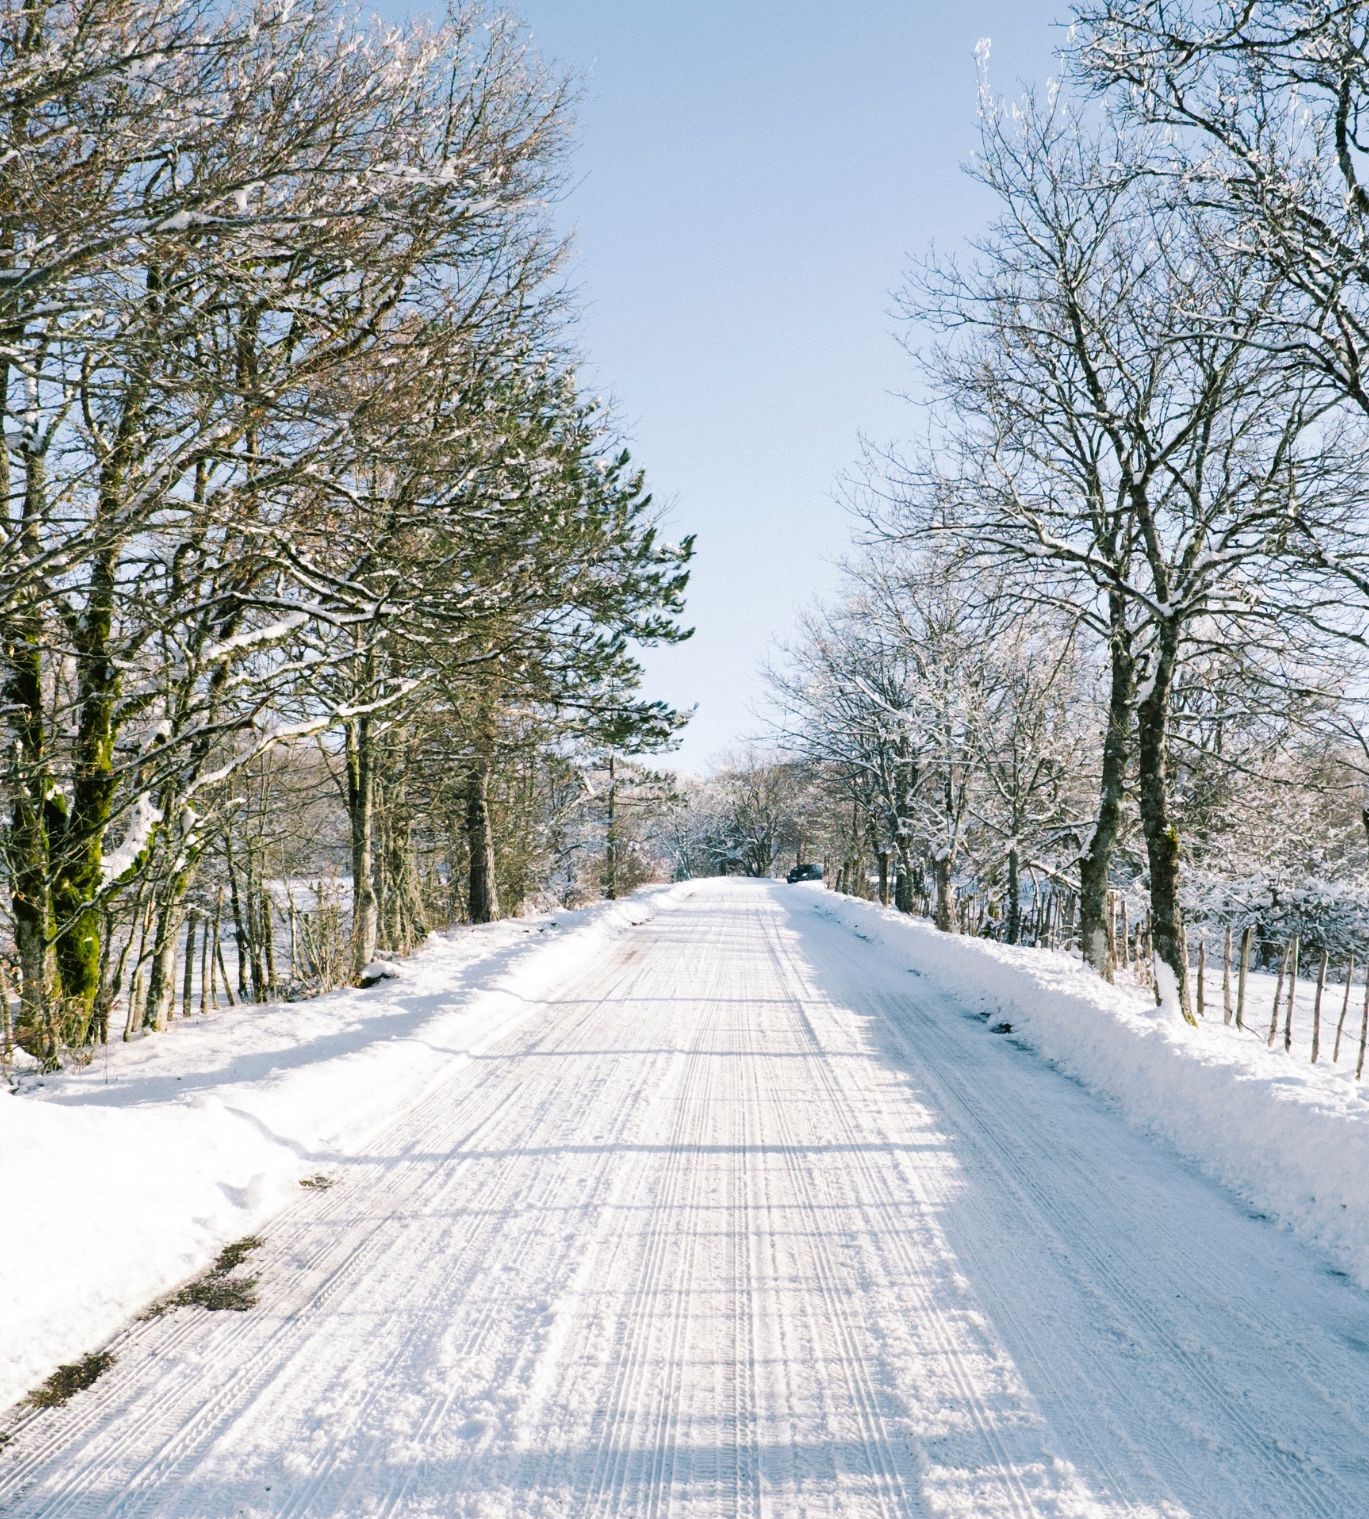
[
  {"x": 1344, "y": 1008},
  {"x": 1226, "y": 975},
  {"x": 1278, "y": 997},
  {"x": 1240, "y": 979},
  {"x": 1363, "y": 1029},
  {"x": 1292, "y": 992},
  {"x": 1316, "y": 1008}
]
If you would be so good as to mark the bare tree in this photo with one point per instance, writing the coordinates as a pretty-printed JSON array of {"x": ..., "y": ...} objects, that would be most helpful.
[
  {"x": 294, "y": 453},
  {"x": 1117, "y": 435}
]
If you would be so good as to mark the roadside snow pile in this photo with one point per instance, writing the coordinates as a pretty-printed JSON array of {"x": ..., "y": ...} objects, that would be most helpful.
[
  {"x": 119, "y": 1181},
  {"x": 1290, "y": 1138}
]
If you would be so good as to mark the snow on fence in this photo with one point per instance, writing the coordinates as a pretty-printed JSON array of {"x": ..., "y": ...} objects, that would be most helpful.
[{"x": 1293, "y": 1008}]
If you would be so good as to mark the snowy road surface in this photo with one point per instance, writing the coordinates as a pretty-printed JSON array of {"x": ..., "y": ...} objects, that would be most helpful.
[{"x": 744, "y": 1221}]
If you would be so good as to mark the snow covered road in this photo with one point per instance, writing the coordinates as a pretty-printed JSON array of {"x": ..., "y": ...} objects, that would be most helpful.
[{"x": 744, "y": 1221}]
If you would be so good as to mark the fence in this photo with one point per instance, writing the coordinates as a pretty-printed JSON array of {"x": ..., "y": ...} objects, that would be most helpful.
[{"x": 1049, "y": 921}]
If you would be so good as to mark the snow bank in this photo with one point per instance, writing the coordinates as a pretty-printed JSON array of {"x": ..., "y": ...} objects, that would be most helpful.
[
  {"x": 1288, "y": 1137},
  {"x": 120, "y": 1181}
]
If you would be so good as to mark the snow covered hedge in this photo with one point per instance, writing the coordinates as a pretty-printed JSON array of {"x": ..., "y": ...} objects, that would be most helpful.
[{"x": 1288, "y": 1137}]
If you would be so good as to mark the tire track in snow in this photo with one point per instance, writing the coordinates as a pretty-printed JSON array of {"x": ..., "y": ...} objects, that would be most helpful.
[
  {"x": 658, "y": 1435},
  {"x": 690, "y": 1243},
  {"x": 883, "y": 1203},
  {"x": 1057, "y": 1213},
  {"x": 746, "y": 1475},
  {"x": 186, "y": 1414},
  {"x": 870, "y": 1198},
  {"x": 674, "y": 1206},
  {"x": 1078, "y": 1237},
  {"x": 433, "y": 1118},
  {"x": 470, "y": 1251},
  {"x": 446, "y": 1120},
  {"x": 602, "y": 1103},
  {"x": 887, "y": 1487}
]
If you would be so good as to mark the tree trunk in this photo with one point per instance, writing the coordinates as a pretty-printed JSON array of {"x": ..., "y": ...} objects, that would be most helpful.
[
  {"x": 903, "y": 880},
  {"x": 206, "y": 940},
  {"x": 1012, "y": 927},
  {"x": 251, "y": 906},
  {"x": 161, "y": 984},
  {"x": 611, "y": 835},
  {"x": 161, "y": 992},
  {"x": 26, "y": 847},
  {"x": 942, "y": 868},
  {"x": 188, "y": 978},
  {"x": 483, "y": 895},
  {"x": 6, "y": 1022},
  {"x": 268, "y": 941},
  {"x": 26, "y": 844},
  {"x": 104, "y": 1003},
  {"x": 77, "y": 872},
  {"x": 1169, "y": 951},
  {"x": 1097, "y": 857},
  {"x": 241, "y": 929},
  {"x": 361, "y": 812},
  {"x": 79, "y": 833}
]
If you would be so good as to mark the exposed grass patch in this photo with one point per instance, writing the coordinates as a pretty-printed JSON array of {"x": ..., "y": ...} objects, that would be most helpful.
[
  {"x": 317, "y": 1183},
  {"x": 232, "y": 1256},
  {"x": 218, "y": 1289},
  {"x": 68, "y": 1380},
  {"x": 220, "y": 1294}
]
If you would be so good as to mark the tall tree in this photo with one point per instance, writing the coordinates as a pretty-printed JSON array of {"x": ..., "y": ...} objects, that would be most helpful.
[{"x": 1118, "y": 436}]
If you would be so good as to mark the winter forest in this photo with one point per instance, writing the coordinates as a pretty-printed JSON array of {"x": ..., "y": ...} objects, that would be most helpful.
[
  {"x": 323, "y": 578},
  {"x": 1102, "y": 643},
  {"x": 321, "y": 574}
]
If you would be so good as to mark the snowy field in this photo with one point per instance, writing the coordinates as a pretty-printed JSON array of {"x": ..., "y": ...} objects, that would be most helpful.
[{"x": 727, "y": 1213}]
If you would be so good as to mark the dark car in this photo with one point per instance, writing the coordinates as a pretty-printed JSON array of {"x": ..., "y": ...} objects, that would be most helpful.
[{"x": 804, "y": 873}]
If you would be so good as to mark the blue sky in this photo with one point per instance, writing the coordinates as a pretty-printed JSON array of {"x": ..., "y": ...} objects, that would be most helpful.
[{"x": 750, "y": 181}]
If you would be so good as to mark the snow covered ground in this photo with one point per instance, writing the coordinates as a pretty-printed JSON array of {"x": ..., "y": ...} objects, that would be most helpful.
[
  {"x": 1289, "y": 1137},
  {"x": 120, "y": 1180},
  {"x": 740, "y": 1217}
]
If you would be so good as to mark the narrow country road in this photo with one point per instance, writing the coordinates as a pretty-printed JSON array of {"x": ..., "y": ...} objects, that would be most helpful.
[{"x": 743, "y": 1222}]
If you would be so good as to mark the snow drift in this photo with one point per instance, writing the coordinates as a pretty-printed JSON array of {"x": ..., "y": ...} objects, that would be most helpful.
[
  {"x": 1290, "y": 1138},
  {"x": 120, "y": 1181}
]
